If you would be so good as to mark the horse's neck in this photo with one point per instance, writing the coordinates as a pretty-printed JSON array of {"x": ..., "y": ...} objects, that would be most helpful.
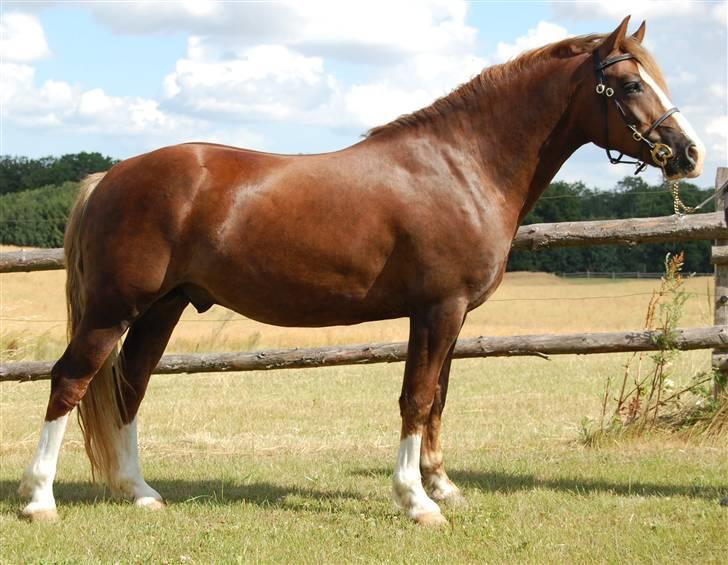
[{"x": 525, "y": 132}]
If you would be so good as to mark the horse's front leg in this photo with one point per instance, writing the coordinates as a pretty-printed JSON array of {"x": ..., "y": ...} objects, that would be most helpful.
[
  {"x": 432, "y": 334},
  {"x": 435, "y": 479}
]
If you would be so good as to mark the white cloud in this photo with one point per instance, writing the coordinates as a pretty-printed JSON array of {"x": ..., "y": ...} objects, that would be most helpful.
[
  {"x": 382, "y": 31},
  {"x": 543, "y": 33},
  {"x": 59, "y": 105},
  {"x": 718, "y": 90},
  {"x": 717, "y": 128},
  {"x": 368, "y": 105},
  {"x": 720, "y": 13},
  {"x": 25, "y": 103},
  {"x": 681, "y": 77},
  {"x": 274, "y": 82},
  {"x": 261, "y": 82},
  {"x": 405, "y": 88},
  {"x": 22, "y": 38},
  {"x": 639, "y": 9}
]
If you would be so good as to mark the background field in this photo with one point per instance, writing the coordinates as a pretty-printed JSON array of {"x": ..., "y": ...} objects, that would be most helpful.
[{"x": 295, "y": 465}]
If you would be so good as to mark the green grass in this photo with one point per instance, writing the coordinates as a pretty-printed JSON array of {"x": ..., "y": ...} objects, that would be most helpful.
[{"x": 295, "y": 466}]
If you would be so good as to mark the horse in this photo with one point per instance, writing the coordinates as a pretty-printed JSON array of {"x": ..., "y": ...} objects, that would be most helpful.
[{"x": 415, "y": 220}]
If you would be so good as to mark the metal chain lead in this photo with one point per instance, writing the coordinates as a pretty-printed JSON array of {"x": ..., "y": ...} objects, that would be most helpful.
[{"x": 677, "y": 204}]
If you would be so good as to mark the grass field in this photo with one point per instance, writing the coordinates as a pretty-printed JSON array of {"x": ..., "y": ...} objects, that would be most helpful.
[{"x": 295, "y": 465}]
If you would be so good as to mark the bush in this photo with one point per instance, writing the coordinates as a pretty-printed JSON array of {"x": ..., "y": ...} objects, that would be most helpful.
[{"x": 36, "y": 218}]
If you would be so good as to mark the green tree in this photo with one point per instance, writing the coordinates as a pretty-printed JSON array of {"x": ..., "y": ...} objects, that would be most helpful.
[
  {"x": 36, "y": 217},
  {"x": 631, "y": 198},
  {"x": 21, "y": 173}
]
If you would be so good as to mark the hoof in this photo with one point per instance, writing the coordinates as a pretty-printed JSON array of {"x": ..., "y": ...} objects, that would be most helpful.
[
  {"x": 431, "y": 520},
  {"x": 43, "y": 515},
  {"x": 453, "y": 499},
  {"x": 149, "y": 503}
]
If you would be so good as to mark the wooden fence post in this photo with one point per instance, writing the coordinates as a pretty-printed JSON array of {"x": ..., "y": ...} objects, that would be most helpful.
[{"x": 720, "y": 261}]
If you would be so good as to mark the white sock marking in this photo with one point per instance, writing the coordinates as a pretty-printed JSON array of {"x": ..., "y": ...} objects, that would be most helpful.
[
  {"x": 130, "y": 478},
  {"x": 681, "y": 120},
  {"x": 409, "y": 494},
  {"x": 37, "y": 481}
]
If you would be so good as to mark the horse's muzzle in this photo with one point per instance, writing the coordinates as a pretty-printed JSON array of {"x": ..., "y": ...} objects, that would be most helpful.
[{"x": 683, "y": 163}]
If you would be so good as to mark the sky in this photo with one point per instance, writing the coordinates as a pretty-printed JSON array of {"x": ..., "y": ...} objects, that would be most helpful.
[{"x": 123, "y": 78}]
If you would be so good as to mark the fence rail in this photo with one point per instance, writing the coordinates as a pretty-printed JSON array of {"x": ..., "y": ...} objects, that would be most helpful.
[
  {"x": 519, "y": 345},
  {"x": 533, "y": 236},
  {"x": 621, "y": 275}
]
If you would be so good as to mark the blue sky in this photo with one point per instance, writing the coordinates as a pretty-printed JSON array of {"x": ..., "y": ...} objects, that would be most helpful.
[{"x": 126, "y": 77}]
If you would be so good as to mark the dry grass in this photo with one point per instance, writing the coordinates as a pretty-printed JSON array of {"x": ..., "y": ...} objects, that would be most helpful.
[
  {"x": 293, "y": 466},
  {"x": 33, "y": 312}
]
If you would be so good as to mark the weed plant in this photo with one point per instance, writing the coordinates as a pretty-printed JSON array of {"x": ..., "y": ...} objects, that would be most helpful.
[{"x": 646, "y": 398}]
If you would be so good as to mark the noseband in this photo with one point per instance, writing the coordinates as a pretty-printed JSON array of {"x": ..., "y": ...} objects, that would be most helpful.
[{"x": 659, "y": 151}]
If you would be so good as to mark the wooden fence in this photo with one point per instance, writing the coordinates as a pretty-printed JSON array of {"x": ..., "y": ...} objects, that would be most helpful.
[{"x": 535, "y": 236}]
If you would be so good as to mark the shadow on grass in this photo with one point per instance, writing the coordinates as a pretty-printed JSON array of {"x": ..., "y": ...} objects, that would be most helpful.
[
  {"x": 203, "y": 492},
  {"x": 509, "y": 483}
]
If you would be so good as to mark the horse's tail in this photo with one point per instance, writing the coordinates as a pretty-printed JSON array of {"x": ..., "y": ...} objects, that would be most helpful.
[{"x": 98, "y": 412}]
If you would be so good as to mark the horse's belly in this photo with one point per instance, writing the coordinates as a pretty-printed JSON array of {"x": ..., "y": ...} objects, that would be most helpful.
[
  {"x": 304, "y": 289},
  {"x": 284, "y": 303}
]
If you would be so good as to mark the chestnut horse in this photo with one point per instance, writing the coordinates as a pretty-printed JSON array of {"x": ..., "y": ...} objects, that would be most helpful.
[{"x": 414, "y": 221}]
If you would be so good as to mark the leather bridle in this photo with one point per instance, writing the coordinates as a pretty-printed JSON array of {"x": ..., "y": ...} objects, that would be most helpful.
[{"x": 660, "y": 152}]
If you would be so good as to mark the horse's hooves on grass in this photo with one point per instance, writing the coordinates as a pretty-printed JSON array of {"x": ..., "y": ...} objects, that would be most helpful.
[
  {"x": 431, "y": 520},
  {"x": 149, "y": 503},
  {"x": 46, "y": 515}
]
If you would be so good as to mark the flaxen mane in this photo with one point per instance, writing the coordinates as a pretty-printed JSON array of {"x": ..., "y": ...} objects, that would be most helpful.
[{"x": 467, "y": 93}]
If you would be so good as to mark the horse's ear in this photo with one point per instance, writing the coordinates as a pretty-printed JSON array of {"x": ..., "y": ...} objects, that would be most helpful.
[
  {"x": 612, "y": 42},
  {"x": 639, "y": 35}
]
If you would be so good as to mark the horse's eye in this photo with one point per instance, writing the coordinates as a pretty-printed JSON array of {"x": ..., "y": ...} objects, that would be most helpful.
[{"x": 633, "y": 87}]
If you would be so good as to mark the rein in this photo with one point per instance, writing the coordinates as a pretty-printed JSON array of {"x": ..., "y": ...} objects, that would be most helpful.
[{"x": 659, "y": 151}]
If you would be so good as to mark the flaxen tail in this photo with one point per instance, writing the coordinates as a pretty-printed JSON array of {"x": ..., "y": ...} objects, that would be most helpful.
[{"x": 98, "y": 411}]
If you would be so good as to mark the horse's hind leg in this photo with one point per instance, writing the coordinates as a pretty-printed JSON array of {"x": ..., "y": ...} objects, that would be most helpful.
[
  {"x": 437, "y": 483},
  {"x": 143, "y": 347},
  {"x": 86, "y": 353},
  {"x": 432, "y": 334}
]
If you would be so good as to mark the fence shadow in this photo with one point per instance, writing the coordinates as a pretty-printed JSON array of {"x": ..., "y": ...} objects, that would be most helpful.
[
  {"x": 204, "y": 492},
  {"x": 510, "y": 483}
]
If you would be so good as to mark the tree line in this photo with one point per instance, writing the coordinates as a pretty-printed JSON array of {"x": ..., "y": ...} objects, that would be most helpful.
[
  {"x": 632, "y": 197},
  {"x": 36, "y": 196},
  {"x": 21, "y": 173}
]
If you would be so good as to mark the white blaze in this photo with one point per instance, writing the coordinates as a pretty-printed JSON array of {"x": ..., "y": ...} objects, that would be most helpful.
[{"x": 680, "y": 118}]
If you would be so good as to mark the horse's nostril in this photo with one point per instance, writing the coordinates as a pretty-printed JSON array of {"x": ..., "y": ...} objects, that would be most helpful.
[{"x": 691, "y": 153}]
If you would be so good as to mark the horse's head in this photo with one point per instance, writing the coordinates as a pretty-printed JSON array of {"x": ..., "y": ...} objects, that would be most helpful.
[{"x": 625, "y": 108}]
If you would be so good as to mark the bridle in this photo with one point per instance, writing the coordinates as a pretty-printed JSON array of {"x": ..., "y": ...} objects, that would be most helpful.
[{"x": 660, "y": 152}]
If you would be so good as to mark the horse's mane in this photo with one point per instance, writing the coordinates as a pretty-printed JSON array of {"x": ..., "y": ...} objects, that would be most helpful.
[{"x": 467, "y": 93}]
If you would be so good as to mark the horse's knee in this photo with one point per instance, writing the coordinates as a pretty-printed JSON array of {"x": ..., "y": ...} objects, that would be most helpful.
[{"x": 66, "y": 393}]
